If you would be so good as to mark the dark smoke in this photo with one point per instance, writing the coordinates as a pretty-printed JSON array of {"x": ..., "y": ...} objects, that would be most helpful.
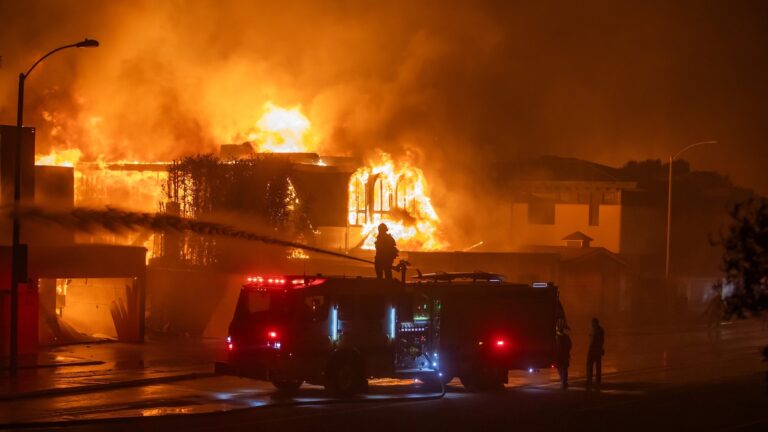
[{"x": 121, "y": 221}]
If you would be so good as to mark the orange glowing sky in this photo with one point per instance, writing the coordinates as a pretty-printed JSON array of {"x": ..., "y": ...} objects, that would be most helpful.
[{"x": 453, "y": 83}]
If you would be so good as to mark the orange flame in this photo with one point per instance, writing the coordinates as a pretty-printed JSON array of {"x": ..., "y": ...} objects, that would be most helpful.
[
  {"x": 98, "y": 184},
  {"x": 281, "y": 130},
  {"x": 394, "y": 193},
  {"x": 397, "y": 195},
  {"x": 66, "y": 158}
]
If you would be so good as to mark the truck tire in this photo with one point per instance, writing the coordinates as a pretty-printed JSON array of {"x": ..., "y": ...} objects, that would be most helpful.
[
  {"x": 484, "y": 380},
  {"x": 447, "y": 371},
  {"x": 346, "y": 375},
  {"x": 432, "y": 382},
  {"x": 446, "y": 378},
  {"x": 287, "y": 386},
  {"x": 470, "y": 382}
]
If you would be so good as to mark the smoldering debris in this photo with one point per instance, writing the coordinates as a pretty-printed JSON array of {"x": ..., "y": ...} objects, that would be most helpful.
[{"x": 120, "y": 221}]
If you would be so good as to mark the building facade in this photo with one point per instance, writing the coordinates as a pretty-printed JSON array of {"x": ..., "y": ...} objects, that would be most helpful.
[{"x": 543, "y": 213}]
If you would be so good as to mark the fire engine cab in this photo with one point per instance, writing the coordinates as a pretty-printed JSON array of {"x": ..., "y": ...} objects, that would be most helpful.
[{"x": 339, "y": 331}]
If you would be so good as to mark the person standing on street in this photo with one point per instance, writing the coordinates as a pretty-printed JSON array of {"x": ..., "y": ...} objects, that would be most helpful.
[
  {"x": 765, "y": 359},
  {"x": 595, "y": 353},
  {"x": 564, "y": 346}
]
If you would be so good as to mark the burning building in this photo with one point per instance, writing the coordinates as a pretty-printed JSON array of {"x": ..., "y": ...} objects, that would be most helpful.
[
  {"x": 331, "y": 202},
  {"x": 74, "y": 291},
  {"x": 572, "y": 230},
  {"x": 273, "y": 183}
]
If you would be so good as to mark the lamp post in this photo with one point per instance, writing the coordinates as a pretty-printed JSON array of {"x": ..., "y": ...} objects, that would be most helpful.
[
  {"x": 18, "y": 257},
  {"x": 669, "y": 198}
]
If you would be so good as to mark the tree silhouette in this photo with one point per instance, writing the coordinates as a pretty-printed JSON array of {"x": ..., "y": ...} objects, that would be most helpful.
[
  {"x": 260, "y": 187},
  {"x": 745, "y": 259}
]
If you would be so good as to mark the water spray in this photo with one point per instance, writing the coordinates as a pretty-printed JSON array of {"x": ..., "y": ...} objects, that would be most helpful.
[{"x": 117, "y": 220}]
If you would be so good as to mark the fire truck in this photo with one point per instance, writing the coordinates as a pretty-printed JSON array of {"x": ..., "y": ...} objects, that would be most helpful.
[{"x": 340, "y": 331}]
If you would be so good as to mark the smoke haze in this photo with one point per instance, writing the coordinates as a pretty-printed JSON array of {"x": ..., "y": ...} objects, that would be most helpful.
[{"x": 452, "y": 84}]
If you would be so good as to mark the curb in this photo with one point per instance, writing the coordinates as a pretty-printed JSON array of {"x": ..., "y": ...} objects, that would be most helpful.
[
  {"x": 55, "y": 365},
  {"x": 105, "y": 386}
]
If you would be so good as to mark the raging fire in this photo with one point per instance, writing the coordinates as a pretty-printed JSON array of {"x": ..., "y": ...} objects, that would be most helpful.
[
  {"x": 281, "y": 130},
  {"x": 395, "y": 194},
  {"x": 384, "y": 191},
  {"x": 65, "y": 158},
  {"x": 130, "y": 185}
]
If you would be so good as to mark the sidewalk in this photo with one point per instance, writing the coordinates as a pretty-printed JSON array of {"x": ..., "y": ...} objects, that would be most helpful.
[{"x": 106, "y": 365}]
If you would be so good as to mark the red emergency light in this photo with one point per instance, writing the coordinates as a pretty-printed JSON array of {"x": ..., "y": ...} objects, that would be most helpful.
[
  {"x": 295, "y": 282},
  {"x": 273, "y": 339},
  {"x": 270, "y": 281},
  {"x": 500, "y": 343}
]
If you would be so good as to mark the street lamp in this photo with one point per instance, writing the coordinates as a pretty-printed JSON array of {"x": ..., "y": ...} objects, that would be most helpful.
[
  {"x": 18, "y": 257},
  {"x": 669, "y": 198}
]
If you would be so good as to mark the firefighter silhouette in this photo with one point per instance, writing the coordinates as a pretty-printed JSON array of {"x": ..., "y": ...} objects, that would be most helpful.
[
  {"x": 386, "y": 252},
  {"x": 595, "y": 352},
  {"x": 564, "y": 346}
]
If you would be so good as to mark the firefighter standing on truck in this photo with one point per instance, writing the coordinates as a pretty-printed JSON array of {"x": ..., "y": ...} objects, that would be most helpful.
[{"x": 386, "y": 252}]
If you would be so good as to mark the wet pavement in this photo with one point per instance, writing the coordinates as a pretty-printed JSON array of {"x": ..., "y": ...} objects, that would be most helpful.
[
  {"x": 88, "y": 367},
  {"x": 637, "y": 363},
  {"x": 213, "y": 394}
]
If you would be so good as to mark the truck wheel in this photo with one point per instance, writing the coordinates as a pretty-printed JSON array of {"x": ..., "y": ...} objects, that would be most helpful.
[
  {"x": 447, "y": 369},
  {"x": 432, "y": 382},
  {"x": 446, "y": 378},
  {"x": 470, "y": 382},
  {"x": 493, "y": 379},
  {"x": 490, "y": 380},
  {"x": 346, "y": 376},
  {"x": 287, "y": 386},
  {"x": 490, "y": 384}
]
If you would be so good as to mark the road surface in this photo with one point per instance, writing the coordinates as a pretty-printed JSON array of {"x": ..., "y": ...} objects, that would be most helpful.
[{"x": 672, "y": 380}]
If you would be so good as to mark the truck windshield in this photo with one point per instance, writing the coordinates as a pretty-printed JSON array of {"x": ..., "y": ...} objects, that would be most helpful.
[{"x": 255, "y": 302}]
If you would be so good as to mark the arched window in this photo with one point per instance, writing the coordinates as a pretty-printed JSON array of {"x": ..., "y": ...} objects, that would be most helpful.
[
  {"x": 404, "y": 193},
  {"x": 381, "y": 194},
  {"x": 357, "y": 201}
]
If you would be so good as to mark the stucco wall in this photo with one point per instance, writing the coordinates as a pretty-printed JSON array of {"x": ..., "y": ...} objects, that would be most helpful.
[{"x": 569, "y": 218}]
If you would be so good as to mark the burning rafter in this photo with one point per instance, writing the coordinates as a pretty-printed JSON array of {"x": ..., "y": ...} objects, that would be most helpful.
[{"x": 395, "y": 194}]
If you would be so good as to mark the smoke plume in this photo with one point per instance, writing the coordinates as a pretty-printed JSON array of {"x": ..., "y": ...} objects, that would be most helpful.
[{"x": 451, "y": 85}]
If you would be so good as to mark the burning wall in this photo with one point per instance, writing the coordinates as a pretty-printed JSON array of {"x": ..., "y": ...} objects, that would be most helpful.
[{"x": 395, "y": 194}]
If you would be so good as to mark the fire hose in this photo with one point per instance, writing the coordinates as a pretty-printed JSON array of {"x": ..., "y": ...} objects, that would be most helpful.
[{"x": 118, "y": 220}]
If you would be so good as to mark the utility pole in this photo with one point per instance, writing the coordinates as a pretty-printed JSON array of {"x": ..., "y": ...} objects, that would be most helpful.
[
  {"x": 18, "y": 252},
  {"x": 669, "y": 203}
]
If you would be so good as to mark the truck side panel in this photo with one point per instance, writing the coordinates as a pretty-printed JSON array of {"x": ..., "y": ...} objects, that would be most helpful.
[{"x": 514, "y": 328}]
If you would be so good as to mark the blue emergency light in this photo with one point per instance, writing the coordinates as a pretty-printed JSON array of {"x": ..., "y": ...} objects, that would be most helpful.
[{"x": 334, "y": 321}]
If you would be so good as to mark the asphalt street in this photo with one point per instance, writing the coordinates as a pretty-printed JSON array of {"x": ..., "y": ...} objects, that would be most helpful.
[{"x": 673, "y": 380}]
